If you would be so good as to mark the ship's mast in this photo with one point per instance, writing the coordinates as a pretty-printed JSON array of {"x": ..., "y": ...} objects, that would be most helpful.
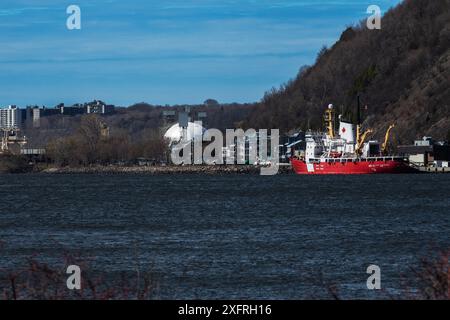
[
  {"x": 329, "y": 121},
  {"x": 358, "y": 121}
]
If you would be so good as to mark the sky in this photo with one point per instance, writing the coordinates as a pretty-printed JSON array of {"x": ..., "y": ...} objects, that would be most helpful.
[{"x": 163, "y": 52}]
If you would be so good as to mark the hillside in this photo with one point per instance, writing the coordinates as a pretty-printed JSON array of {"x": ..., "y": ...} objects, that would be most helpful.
[
  {"x": 402, "y": 73},
  {"x": 135, "y": 121}
]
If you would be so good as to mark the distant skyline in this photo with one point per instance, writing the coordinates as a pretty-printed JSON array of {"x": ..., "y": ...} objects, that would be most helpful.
[{"x": 163, "y": 52}]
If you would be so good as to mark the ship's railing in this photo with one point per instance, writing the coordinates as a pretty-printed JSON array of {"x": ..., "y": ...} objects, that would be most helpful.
[
  {"x": 343, "y": 160},
  {"x": 383, "y": 158}
]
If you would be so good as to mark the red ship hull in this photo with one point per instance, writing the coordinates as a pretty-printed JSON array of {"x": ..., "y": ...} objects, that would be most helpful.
[{"x": 360, "y": 166}]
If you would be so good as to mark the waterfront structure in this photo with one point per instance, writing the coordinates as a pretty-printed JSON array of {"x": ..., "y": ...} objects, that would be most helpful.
[
  {"x": 176, "y": 133},
  {"x": 292, "y": 145},
  {"x": 426, "y": 152},
  {"x": 185, "y": 129},
  {"x": 11, "y": 140}
]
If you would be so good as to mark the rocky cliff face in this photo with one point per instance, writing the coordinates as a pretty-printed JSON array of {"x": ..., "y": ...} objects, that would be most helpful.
[{"x": 401, "y": 72}]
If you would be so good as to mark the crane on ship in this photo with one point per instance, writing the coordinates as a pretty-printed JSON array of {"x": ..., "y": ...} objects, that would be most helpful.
[
  {"x": 362, "y": 139},
  {"x": 329, "y": 120},
  {"x": 386, "y": 139}
]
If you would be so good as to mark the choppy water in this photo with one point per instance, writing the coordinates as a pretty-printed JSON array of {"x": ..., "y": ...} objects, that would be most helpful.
[{"x": 231, "y": 236}]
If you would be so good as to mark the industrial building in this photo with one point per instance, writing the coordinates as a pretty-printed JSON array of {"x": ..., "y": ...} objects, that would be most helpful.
[
  {"x": 170, "y": 116},
  {"x": 292, "y": 145},
  {"x": 426, "y": 153}
]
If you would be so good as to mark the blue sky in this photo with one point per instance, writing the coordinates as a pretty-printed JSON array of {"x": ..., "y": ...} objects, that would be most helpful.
[{"x": 163, "y": 52}]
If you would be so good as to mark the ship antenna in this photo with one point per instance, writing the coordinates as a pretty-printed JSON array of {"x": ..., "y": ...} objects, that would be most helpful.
[
  {"x": 359, "y": 110},
  {"x": 358, "y": 120}
]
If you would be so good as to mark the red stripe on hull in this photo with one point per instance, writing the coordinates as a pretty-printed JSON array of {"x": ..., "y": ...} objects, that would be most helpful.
[{"x": 357, "y": 167}]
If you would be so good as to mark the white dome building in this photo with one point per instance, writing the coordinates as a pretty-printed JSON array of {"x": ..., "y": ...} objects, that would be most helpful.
[{"x": 175, "y": 133}]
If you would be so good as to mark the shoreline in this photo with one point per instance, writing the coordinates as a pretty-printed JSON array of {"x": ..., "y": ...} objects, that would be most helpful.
[
  {"x": 163, "y": 170},
  {"x": 166, "y": 170}
]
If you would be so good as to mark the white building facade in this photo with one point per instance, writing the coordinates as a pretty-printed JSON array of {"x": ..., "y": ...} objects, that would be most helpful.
[{"x": 10, "y": 117}]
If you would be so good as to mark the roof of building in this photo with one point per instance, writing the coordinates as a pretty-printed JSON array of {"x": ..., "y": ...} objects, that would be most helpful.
[{"x": 410, "y": 149}]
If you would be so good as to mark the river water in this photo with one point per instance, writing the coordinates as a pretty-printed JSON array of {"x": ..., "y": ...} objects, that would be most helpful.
[{"x": 231, "y": 236}]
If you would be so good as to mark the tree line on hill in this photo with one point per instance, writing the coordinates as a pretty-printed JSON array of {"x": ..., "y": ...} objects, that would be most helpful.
[
  {"x": 93, "y": 142},
  {"x": 401, "y": 72},
  {"x": 123, "y": 137}
]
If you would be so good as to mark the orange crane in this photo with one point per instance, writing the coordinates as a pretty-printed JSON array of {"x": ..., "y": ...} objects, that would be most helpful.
[
  {"x": 386, "y": 139},
  {"x": 362, "y": 139}
]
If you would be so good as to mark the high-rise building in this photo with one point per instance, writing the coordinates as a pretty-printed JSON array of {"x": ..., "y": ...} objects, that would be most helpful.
[
  {"x": 10, "y": 117},
  {"x": 33, "y": 116}
]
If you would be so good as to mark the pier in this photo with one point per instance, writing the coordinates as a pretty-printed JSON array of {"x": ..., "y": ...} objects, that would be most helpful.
[{"x": 434, "y": 169}]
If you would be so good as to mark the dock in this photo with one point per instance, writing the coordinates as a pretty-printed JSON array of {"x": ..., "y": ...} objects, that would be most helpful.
[{"x": 434, "y": 169}]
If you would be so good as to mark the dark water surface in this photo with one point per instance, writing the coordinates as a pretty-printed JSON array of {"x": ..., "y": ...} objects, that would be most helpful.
[{"x": 233, "y": 236}]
